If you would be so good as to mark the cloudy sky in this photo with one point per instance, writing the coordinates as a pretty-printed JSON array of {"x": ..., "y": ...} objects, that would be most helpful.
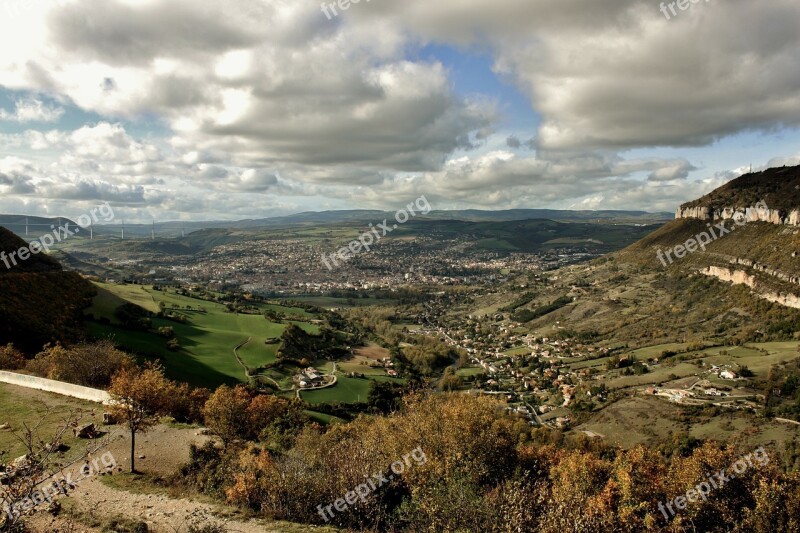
[{"x": 227, "y": 109}]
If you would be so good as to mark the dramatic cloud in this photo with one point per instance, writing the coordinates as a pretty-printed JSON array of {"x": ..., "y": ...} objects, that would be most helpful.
[
  {"x": 239, "y": 80},
  {"x": 618, "y": 74},
  {"x": 251, "y": 105}
]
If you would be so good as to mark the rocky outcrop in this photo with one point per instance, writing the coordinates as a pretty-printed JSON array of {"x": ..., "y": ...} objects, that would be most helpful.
[
  {"x": 783, "y": 276},
  {"x": 757, "y": 213},
  {"x": 786, "y": 300},
  {"x": 699, "y": 213},
  {"x": 739, "y": 277}
]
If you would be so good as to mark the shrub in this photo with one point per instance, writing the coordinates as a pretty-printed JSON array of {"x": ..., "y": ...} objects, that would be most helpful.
[{"x": 11, "y": 358}]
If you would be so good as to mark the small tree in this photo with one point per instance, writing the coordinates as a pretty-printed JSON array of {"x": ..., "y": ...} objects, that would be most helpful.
[{"x": 140, "y": 395}]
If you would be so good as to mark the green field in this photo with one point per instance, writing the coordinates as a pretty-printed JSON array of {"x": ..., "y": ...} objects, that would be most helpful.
[
  {"x": 362, "y": 369},
  {"x": 646, "y": 419},
  {"x": 19, "y": 405},
  {"x": 658, "y": 375},
  {"x": 470, "y": 371},
  {"x": 323, "y": 418},
  {"x": 758, "y": 357},
  {"x": 290, "y": 311},
  {"x": 109, "y": 297},
  {"x": 255, "y": 353},
  {"x": 347, "y": 390},
  {"x": 207, "y": 340},
  {"x": 519, "y": 350}
]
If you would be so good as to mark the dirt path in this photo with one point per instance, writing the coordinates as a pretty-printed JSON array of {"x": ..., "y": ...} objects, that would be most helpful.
[
  {"x": 239, "y": 359},
  {"x": 161, "y": 452}
]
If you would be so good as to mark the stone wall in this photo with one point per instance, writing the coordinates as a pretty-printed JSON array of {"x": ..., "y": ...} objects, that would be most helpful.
[{"x": 57, "y": 387}]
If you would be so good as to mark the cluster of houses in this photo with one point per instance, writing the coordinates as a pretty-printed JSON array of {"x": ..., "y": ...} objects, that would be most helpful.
[
  {"x": 693, "y": 393},
  {"x": 310, "y": 378},
  {"x": 388, "y": 365},
  {"x": 724, "y": 373}
]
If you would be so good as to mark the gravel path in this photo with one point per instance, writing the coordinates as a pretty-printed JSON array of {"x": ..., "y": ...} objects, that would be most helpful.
[{"x": 161, "y": 451}]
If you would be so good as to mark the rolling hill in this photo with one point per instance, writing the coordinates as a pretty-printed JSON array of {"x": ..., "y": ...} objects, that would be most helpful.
[{"x": 740, "y": 285}]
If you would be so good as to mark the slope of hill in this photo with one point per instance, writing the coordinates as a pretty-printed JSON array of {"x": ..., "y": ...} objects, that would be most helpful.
[
  {"x": 733, "y": 302},
  {"x": 779, "y": 188},
  {"x": 39, "y": 302},
  {"x": 745, "y": 232},
  {"x": 740, "y": 285}
]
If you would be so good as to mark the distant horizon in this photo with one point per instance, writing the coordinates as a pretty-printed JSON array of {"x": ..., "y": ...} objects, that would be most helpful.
[
  {"x": 225, "y": 110},
  {"x": 134, "y": 221}
]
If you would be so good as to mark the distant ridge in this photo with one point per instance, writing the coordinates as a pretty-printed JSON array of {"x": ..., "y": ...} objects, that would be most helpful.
[
  {"x": 467, "y": 215},
  {"x": 16, "y": 223}
]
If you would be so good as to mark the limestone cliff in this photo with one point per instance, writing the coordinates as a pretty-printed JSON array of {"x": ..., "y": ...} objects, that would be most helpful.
[
  {"x": 755, "y": 213},
  {"x": 739, "y": 277},
  {"x": 772, "y": 196}
]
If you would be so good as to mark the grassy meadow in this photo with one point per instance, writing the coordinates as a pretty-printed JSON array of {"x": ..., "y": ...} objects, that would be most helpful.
[{"x": 207, "y": 339}]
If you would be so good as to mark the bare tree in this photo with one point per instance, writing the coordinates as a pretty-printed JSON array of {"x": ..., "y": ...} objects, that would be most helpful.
[{"x": 38, "y": 476}]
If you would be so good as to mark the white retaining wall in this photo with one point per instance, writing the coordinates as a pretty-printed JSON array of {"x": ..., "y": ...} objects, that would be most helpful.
[{"x": 58, "y": 387}]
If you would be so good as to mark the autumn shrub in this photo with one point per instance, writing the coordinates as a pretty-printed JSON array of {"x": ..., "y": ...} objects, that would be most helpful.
[
  {"x": 480, "y": 476},
  {"x": 224, "y": 413},
  {"x": 462, "y": 438},
  {"x": 88, "y": 364},
  {"x": 238, "y": 414},
  {"x": 208, "y": 470},
  {"x": 187, "y": 403},
  {"x": 11, "y": 358}
]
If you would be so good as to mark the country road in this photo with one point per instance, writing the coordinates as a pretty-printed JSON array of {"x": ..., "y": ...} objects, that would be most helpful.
[{"x": 239, "y": 359}]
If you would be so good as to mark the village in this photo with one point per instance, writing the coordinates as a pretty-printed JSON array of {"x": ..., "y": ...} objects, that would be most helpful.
[{"x": 532, "y": 373}]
